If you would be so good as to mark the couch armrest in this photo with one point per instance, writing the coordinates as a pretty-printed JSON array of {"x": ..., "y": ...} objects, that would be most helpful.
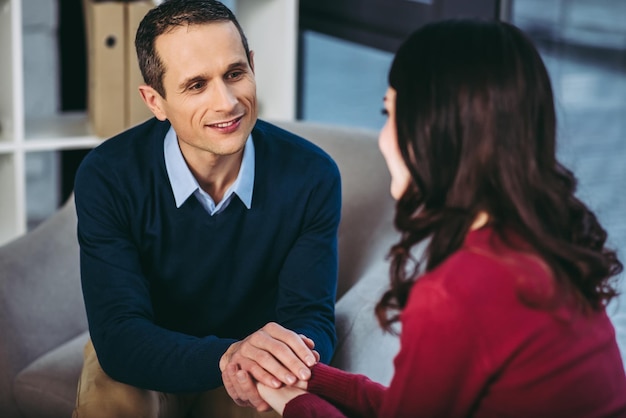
[{"x": 41, "y": 303}]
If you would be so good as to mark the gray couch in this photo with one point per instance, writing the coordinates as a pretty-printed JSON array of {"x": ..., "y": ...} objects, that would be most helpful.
[{"x": 42, "y": 321}]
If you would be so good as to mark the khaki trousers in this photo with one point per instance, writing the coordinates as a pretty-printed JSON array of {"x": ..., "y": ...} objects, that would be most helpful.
[{"x": 99, "y": 396}]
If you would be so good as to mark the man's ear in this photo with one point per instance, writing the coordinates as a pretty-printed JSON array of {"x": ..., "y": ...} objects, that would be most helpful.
[
  {"x": 153, "y": 100},
  {"x": 251, "y": 60}
]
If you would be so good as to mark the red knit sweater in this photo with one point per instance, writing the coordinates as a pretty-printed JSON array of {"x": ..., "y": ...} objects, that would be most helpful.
[{"x": 470, "y": 347}]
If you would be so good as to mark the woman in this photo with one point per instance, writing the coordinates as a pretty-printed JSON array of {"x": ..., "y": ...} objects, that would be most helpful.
[{"x": 504, "y": 313}]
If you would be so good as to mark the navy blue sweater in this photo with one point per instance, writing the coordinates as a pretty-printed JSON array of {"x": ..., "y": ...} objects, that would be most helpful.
[{"x": 167, "y": 290}]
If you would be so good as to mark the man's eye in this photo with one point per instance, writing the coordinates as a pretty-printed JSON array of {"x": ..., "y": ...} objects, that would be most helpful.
[
  {"x": 235, "y": 75},
  {"x": 196, "y": 86}
]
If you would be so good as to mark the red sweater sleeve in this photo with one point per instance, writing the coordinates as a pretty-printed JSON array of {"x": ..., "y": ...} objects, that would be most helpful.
[
  {"x": 441, "y": 358},
  {"x": 346, "y": 393},
  {"x": 436, "y": 363}
]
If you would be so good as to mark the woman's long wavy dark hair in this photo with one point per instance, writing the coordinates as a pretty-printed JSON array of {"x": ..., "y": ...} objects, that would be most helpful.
[{"x": 476, "y": 127}]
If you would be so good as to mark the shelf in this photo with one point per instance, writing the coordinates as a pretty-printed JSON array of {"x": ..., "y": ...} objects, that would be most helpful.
[
  {"x": 61, "y": 144},
  {"x": 62, "y": 125},
  {"x": 64, "y": 131}
]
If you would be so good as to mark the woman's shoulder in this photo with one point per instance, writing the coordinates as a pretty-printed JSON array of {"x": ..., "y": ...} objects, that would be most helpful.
[{"x": 489, "y": 267}]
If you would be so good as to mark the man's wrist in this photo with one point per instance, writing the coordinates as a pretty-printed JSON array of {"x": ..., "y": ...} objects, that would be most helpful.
[{"x": 225, "y": 359}]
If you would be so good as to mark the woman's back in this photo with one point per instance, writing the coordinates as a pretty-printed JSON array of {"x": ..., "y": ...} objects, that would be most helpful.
[{"x": 488, "y": 334}]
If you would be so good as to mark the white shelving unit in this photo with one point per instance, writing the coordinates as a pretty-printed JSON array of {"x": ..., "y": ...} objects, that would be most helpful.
[{"x": 271, "y": 28}]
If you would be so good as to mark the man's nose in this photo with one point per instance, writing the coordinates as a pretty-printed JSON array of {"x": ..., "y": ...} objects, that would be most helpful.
[{"x": 222, "y": 97}]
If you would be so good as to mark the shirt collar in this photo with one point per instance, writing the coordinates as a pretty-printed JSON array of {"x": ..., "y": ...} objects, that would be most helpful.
[{"x": 184, "y": 184}]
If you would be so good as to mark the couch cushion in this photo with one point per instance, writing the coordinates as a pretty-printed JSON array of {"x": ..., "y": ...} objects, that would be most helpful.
[
  {"x": 47, "y": 387},
  {"x": 41, "y": 303},
  {"x": 362, "y": 346}
]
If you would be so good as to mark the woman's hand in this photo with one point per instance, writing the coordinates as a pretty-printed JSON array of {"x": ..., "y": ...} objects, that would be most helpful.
[
  {"x": 278, "y": 398},
  {"x": 274, "y": 356}
]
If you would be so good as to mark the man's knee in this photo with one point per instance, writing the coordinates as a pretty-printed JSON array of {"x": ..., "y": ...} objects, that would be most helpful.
[{"x": 100, "y": 396}]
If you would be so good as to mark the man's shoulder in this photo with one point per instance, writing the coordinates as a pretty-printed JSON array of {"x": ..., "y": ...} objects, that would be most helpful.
[
  {"x": 276, "y": 142},
  {"x": 132, "y": 145},
  {"x": 137, "y": 136},
  {"x": 130, "y": 154}
]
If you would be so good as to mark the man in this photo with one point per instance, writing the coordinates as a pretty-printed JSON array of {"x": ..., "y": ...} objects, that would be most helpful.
[{"x": 208, "y": 238}]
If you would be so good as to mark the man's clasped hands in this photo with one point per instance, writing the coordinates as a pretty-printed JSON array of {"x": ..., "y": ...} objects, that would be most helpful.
[{"x": 268, "y": 368}]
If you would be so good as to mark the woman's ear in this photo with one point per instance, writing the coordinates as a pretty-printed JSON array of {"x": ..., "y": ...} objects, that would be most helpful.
[{"x": 153, "y": 100}]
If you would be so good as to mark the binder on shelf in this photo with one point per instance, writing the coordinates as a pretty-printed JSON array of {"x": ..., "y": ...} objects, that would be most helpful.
[
  {"x": 113, "y": 100},
  {"x": 137, "y": 109}
]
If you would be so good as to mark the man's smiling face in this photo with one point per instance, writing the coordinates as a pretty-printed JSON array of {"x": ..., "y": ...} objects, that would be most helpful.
[{"x": 210, "y": 87}]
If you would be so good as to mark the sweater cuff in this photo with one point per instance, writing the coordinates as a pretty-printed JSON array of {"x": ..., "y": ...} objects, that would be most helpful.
[{"x": 328, "y": 382}]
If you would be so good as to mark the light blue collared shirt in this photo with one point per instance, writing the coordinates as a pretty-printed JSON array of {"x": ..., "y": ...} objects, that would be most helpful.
[{"x": 184, "y": 184}]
